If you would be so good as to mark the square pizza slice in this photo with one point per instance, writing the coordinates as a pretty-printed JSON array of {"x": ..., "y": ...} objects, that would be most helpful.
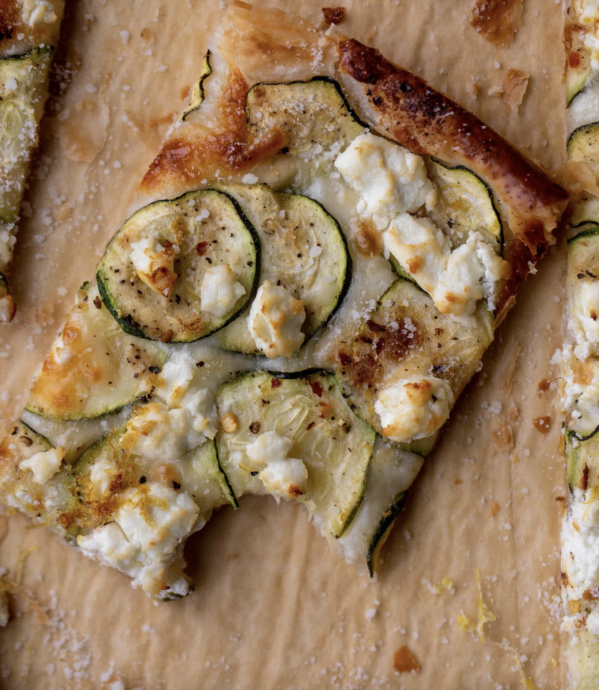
[
  {"x": 28, "y": 37},
  {"x": 318, "y": 257}
]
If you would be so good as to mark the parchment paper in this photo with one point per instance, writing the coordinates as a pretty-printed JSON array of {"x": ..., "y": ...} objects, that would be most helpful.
[{"x": 273, "y": 607}]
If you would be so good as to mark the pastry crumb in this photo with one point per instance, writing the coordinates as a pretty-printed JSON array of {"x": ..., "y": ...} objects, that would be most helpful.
[
  {"x": 404, "y": 660},
  {"x": 333, "y": 15}
]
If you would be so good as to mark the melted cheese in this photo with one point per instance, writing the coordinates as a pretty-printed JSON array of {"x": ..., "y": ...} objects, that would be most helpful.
[
  {"x": 414, "y": 407},
  {"x": 44, "y": 465},
  {"x": 275, "y": 321},
  {"x": 36, "y": 12},
  {"x": 388, "y": 178},
  {"x": 143, "y": 540},
  {"x": 586, "y": 328},
  {"x": 220, "y": 291}
]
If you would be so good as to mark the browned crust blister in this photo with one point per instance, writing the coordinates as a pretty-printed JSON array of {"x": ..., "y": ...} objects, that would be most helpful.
[{"x": 426, "y": 122}]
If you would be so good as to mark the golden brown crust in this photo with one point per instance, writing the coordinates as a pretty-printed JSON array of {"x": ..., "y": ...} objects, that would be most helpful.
[
  {"x": 497, "y": 20},
  {"x": 428, "y": 123}
]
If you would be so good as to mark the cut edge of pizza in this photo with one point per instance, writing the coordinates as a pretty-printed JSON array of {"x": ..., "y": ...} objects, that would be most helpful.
[
  {"x": 319, "y": 256},
  {"x": 29, "y": 32},
  {"x": 580, "y": 354}
]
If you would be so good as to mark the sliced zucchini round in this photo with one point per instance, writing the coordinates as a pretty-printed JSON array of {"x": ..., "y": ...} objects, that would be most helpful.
[
  {"x": 94, "y": 368},
  {"x": 22, "y": 95},
  {"x": 198, "y": 473},
  {"x": 303, "y": 249},
  {"x": 201, "y": 229},
  {"x": 308, "y": 408},
  {"x": 390, "y": 475},
  {"x": 578, "y": 68},
  {"x": 52, "y": 503},
  {"x": 584, "y": 209},
  {"x": 583, "y": 461},
  {"x": 464, "y": 205},
  {"x": 197, "y": 93},
  {"x": 407, "y": 332},
  {"x": 583, "y": 266},
  {"x": 583, "y": 145},
  {"x": 314, "y": 115}
]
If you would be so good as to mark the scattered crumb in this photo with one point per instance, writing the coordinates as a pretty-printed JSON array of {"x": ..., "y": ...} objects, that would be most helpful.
[
  {"x": 494, "y": 508},
  {"x": 514, "y": 85},
  {"x": 333, "y": 15},
  {"x": 503, "y": 436},
  {"x": 473, "y": 87},
  {"x": 404, "y": 660},
  {"x": 542, "y": 424},
  {"x": 446, "y": 585},
  {"x": 543, "y": 387},
  {"x": 497, "y": 20}
]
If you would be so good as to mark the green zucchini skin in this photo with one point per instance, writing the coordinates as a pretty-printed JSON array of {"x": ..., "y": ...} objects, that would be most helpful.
[
  {"x": 109, "y": 292},
  {"x": 383, "y": 530},
  {"x": 197, "y": 94}
]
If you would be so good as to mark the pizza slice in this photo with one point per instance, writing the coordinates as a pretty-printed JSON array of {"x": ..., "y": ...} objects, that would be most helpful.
[
  {"x": 321, "y": 252},
  {"x": 28, "y": 37},
  {"x": 580, "y": 355}
]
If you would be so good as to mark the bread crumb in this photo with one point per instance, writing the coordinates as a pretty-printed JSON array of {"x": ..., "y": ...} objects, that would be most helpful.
[
  {"x": 514, "y": 85},
  {"x": 333, "y": 15},
  {"x": 404, "y": 660}
]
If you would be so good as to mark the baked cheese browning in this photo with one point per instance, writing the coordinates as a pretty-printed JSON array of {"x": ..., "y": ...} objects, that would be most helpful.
[
  {"x": 178, "y": 270},
  {"x": 302, "y": 249},
  {"x": 406, "y": 337},
  {"x": 199, "y": 152},
  {"x": 295, "y": 437},
  {"x": 34, "y": 480},
  {"x": 94, "y": 368},
  {"x": 426, "y": 122}
]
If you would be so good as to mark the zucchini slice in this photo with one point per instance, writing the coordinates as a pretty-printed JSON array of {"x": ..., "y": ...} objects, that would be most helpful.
[
  {"x": 94, "y": 367},
  {"x": 314, "y": 115},
  {"x": 202, "y": 229},
  {"x": 22, "y": 97},
  {"x": 464, "y": 205},
  {"x": 198, "y": 473},
  {"x": 583, "y": 461},
  {"x": 197, "y": 93},
  {"x": 583, "y": 267},
  {"x": 308, "y": 408},
  {"x": 585, "y": 209},
  {"x": 390, "y": 475},
  {"x": 404, "y": 331},
  {"x": 583, "y": 145},
  {"x": 52, "y": 503},
  {"x": 303, "y": 249}
]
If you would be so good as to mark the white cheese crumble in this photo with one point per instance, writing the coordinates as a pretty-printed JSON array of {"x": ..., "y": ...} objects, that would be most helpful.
[
  {"x": 154, "y": 264},
  {"x": 388, "y": 178},
  {"x": 456, "y": 280},
  {"x": 587, "y": 314},
  {"x": 101, "y": 475},
  {"x": 582, "y": 401},
  {"x": 275, "y": 321},
  {"x": 11, "y": 84},
  {"x": 158, "y": 432},
  {"x": 220, "y": 291},
  {"x": 44, "y": 464},
  {"x": 36, "y": 12},
  {"x": 143, "y": 540},
  {"x": 414, "y": 407},
  {"x": 7, "y": 308},
  {"x": 282, "y": 476}
]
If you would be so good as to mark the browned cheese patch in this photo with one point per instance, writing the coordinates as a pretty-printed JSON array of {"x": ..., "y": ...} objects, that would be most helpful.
[{"x": 497, "y": 20}]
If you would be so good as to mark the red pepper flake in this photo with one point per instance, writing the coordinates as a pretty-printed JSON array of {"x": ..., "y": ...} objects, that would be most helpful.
[
  {"x": 201, "y": 248},
  {"x": 310, "y": 426},
  {"x": 585, "y": 477},
  {"x": 375, "y": 327},
  {"x": 316, "y": 388},
  {"x": 275, "y": 383}
]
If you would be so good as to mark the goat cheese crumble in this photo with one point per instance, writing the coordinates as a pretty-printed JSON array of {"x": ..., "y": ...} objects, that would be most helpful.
[
  {"x": 220, "y": 291},
  {"x": 275, "y": 321},
  {"x": 414, "y": 407},
  {"x": 44, "y": 464}
]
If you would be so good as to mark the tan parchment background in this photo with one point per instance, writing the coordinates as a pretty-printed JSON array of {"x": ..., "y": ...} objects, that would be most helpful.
[{"x": 273, "y": 608}]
